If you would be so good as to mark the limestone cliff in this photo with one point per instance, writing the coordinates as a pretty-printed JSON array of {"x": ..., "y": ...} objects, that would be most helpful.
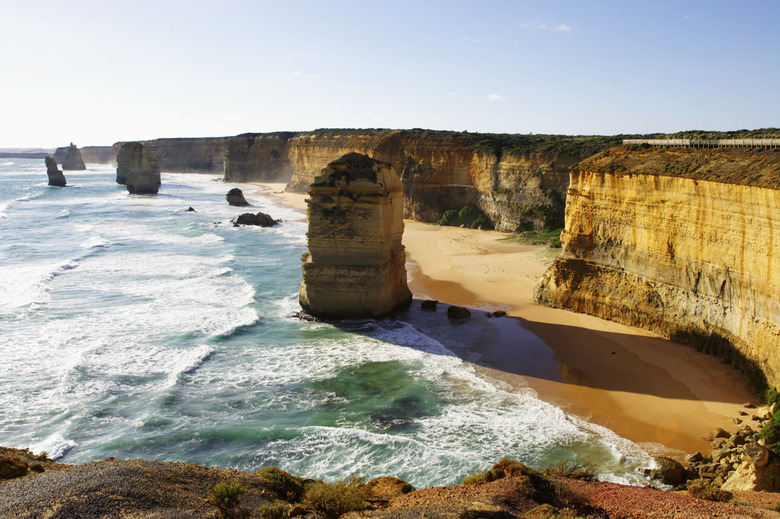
[
  {"x": 681, "y": 242},
  {"x": 259, "y": 157},
  {"x": 96, "y": 154},
  {"x": 518, "y": 180},
  {"x": 69, "y": 157},
  {"x": 138, "y": 169},
  {"x": 185, "y": 155},
  {"x": 355, "y": 267}
]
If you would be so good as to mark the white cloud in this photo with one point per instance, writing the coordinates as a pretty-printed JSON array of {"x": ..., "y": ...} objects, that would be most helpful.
[
  {"x": 497, "y": 97},
  {"x": 541, "y": 25},
  {"x": 302, "y": 75},
  {"x": 473, "y": 40}
]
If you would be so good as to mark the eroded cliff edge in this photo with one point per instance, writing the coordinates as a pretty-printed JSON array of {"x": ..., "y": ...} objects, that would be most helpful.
[{"x": 681, "y": 242}]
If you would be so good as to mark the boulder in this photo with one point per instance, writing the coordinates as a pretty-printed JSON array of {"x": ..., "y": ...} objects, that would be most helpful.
[
  {"x": 356, "y": 264},
  {"x": 236, "y": 197},
  {"x": 719, "y": 433},
  {"x": 70, "y": 158},
  {"x": 261, "y": 219},
  {"x": 669, "y": 471},
  {"x": 752, "y": 477},
  {"x": 458, "y": 312},
  {"x": 429, "y": 304},
  {"x": 137, "y": 169},
  {"x": 56, "y": 178}
]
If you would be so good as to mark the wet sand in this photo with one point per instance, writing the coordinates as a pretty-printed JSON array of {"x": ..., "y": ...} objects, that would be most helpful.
[{"x": 642, "y": 386}]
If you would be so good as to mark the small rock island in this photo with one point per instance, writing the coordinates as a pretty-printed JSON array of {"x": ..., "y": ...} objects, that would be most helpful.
[
  {"x": 70, "y": 158},
  {"x": 137, "y": 169},
  {"x": 356, "y": 264},
  {"x": 56, "y": 178}
]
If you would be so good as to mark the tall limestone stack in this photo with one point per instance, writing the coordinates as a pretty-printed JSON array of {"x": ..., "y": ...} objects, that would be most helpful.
[
  {"x": 137, "y": 169},
  {"x": 70, "y": 158},
  {"x": 56, "y": 178},
  {"x": 355, "y": 267}
]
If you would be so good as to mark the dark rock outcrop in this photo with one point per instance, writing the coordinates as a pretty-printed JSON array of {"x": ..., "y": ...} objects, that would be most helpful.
[
  {"x": 56, "y": 178},
  {"x": 137, "y": 169},
  {"x": 260, "y": 219},
  {"x": 70, "y": 158},
  {"x": 236, "y": 197},
  {"x": 355, "y": 267},
  {"x": 458, "y": 312}
]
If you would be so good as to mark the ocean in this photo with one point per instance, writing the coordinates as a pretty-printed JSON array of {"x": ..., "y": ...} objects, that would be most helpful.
[{"x": 134, "y": 329}]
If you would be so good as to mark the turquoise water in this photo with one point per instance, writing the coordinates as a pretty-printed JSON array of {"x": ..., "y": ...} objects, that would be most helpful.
[{"x": 131, "y": 328}]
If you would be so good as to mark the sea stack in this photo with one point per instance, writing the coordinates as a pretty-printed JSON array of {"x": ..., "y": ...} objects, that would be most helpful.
[
  {"x": 356, "y": 264},
  {"x": 70, "y": 158},
  {"x": 56, "y": 178},
  {"x": 137, "y": 169},
  {"x": 236, "y": 197}
]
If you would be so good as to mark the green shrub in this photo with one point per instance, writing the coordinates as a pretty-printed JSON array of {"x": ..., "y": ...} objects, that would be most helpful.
[
  {"x": 568, "y": 468},
  {"x": 275, "y": 510},
  {"x": 227, "y": 498},
  {"x": 285, "y": 485},
  {"x": 476, "y": 478},
  {"x": 469, "y": 216},
  {"x": 703, "y": 489},
  {"x": 336, "y": 499}
]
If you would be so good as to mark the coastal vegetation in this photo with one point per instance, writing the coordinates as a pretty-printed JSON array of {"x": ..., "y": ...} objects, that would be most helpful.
[{"x": 469, "y": 216}]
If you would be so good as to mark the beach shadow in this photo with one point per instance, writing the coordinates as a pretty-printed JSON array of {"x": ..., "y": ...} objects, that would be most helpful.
[{"x": 551, "y": 352}]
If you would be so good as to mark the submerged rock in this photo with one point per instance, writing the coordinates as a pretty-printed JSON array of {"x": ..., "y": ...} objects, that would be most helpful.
[
  {"x": 56, "y": 178},
  {"x": 355, "y": 267},
  {"x": 137, "y": 169},
  {"x": 236, "y": 197},
  {"x": 458, "y": 312}
]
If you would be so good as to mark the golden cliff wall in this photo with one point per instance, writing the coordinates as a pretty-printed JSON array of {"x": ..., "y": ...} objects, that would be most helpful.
[
  {"x": 446, "y": 170},
  {"x": 681, "y": 243}
]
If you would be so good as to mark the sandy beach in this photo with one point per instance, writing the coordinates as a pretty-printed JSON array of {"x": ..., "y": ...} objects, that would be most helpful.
[{"x": 650, "y": 390}]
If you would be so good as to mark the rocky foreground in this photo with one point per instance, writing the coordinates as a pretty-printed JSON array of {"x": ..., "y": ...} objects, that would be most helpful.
[{"x": 34, "y": 486}]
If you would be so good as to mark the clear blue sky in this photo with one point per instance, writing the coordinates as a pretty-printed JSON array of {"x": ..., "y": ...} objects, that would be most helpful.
[{"x": 95, "y": 72}]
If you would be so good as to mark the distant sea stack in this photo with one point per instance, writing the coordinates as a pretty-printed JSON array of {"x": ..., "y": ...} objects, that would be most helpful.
[
  {"x": 355, "y": 267},
  {"x": 70, "y": 158},
  {"x": 137, "y": 169},
  {"x": 56, "y": 178}
]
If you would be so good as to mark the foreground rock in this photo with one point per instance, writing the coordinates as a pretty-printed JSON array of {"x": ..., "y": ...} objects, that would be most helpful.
[
  {"x": 355, "y": 267},
  {"x": 70, "y": 158},
  {"x": 56, "y": 178},
  {"x": 260, "y": 219},
  {"x": 236, "y": 197},
  {"x": 137, "y": 169},
  {"x": 149, "y": 489}
]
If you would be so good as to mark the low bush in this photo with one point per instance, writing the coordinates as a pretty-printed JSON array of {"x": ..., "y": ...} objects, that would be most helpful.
[
  {"x": 703, "y": 489},
  {"x": 226, "y": 497},
  {"x": 285, "y": 485},
  {"x": 335, "y": 499},
  {"x": 275, "y": 510},
  {"x": 568, "y": 468},
  {"x": 476, "y": 478},
  {"x": 469, "y": 216}
]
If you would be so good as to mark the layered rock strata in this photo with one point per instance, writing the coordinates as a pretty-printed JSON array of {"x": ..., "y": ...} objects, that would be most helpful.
[
  {"x": 259, "y": 157},
  {"x": 185, "y": 155},
  {"x": 355, "y": 267},
  {"x": 681, "y": 242},
  {"x": 138, "y": 169},
  {"x": 56, "y": 178},
  {"x": 70, "y": 158}
]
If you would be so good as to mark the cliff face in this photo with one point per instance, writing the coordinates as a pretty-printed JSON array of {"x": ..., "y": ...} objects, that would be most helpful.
[
  {"x": 96, "y": 154},
  {"x": 681, "y": 242},
  {"x": 259, "y": 157},
  {"x": 186, "y": 155},
  {"x": 518, "y": 188}
]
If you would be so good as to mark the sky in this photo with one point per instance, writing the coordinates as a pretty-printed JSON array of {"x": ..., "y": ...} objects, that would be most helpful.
[{"x": 97, "y": 72}]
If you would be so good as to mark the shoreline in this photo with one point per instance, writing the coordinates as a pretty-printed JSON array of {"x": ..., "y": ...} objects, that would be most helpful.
[{"x": 664, "y": 396}]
